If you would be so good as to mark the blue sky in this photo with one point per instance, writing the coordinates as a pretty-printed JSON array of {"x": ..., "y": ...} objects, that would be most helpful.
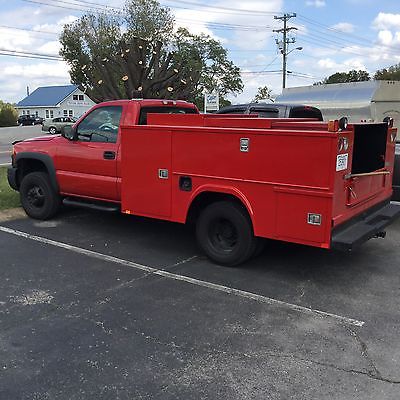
[{"x": 335, "y": 35}]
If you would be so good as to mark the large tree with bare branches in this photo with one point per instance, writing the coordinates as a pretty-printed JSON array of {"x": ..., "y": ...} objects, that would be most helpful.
[{"x": 137, "y": 53}]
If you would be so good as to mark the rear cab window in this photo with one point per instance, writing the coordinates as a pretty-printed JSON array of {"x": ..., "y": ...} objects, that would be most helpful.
[
  {"x": 264, "y": 112},
  {"x": 305, "y": 112}
]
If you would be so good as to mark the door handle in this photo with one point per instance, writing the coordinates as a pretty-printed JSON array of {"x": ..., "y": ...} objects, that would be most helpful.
[{"x": 109, "y": 155}]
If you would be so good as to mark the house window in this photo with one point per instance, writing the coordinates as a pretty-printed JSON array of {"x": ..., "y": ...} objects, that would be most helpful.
[
  {"x": 51, "y": 114},
  {"x": 65, "y": 113},
  {"x": 75, "y": 97},
  {"x": 70, "y": 113},
  {"x": 47, "y": 113},
  {"x": 81, "y": 97}
]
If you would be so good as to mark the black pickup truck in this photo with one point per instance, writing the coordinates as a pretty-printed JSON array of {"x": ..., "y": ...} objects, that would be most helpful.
[{"x": 273, "y": 110}]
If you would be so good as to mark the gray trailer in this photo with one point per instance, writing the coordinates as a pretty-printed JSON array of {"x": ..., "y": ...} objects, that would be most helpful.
[{"x": 358, "y": 101}]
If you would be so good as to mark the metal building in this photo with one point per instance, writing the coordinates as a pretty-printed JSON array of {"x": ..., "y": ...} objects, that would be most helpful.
[{"x": 359, "y": 101}]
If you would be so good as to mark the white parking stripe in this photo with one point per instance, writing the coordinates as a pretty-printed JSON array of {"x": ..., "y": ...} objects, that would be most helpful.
[
  {"x": 182, "y": 278},
  {"x": 4, "y": 165}
]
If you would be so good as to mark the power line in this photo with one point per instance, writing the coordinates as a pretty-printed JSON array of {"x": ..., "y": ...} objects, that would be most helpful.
[
  {"x": 345, "y": 37},
  {"x": 33, "y": 53},
  {"x": 237, "y": 10},
  {"x": 28, "y": 30},
  {"x": 27, "y": 55}
]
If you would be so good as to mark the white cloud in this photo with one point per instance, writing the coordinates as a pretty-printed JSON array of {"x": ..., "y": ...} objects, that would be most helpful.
[
  {"x": 343, "y": 27},
  {"x": 385, "y": 37},
  {"x": 385, "y": 21},
  {"x": 12, "y": 39},
  {"x": 316, "y": 3},
  {"x": 41, "y": 70},
  {"x": 51, "y": 48},
  {"x": 329, "y": 66}
]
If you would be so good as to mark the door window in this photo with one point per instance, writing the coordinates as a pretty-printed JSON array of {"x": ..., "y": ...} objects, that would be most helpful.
[{"x": 101, "y": 125}]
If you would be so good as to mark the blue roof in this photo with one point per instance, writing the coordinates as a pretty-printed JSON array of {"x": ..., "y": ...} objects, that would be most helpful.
[{"x": 47, "y": 96}]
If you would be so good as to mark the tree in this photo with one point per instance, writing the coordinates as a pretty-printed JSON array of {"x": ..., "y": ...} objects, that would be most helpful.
[
  {"x": 390, "y": 74},
  {"x": 8, "y": 114},
  {"x": 263, "y": 93},
  {"x": 343, "y": 77},
  {"x": 137, "y": 53}
]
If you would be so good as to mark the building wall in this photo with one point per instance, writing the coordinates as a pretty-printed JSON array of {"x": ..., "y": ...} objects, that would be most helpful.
[{"x": 75, "y": 105}]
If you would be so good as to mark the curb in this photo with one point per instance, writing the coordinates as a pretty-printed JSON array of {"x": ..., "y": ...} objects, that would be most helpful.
[{"x": 12, "y": 213}]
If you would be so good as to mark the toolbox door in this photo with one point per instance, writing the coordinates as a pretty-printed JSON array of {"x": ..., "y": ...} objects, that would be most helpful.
[
  {"x": 369, "y": 174},
  {"x": 146, "y": 171}
]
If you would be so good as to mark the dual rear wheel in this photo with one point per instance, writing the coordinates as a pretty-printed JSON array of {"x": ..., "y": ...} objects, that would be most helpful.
[{"x": 225, "y": 233}]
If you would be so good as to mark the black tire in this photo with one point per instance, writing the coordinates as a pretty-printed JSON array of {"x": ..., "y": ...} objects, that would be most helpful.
[
  {"x": 260, "y": 246},
  {"x": 52, "y": 130},
  {"x": 225, "y": 233},
  {"x": 38, "y": 198}
]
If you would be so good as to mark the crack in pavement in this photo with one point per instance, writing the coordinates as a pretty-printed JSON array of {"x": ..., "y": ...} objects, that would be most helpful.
[
  {"x": 311, "y": 361},
  {"x": 374, "y": 371}
]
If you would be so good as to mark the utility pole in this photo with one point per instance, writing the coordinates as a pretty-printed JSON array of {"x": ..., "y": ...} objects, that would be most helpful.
[{"x": 283, "y": 48}]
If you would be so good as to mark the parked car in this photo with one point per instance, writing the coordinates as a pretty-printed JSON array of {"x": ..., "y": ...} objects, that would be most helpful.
[
  {"x": 55, "y": 125},
  {"x": 273, "y": 110},
  {"x": 29, "y": 120}
]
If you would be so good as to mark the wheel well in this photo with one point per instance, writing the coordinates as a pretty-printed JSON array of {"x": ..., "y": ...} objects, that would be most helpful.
[
  {"x": 26, "y": 166},
  {"x": 205, "y": 199}
]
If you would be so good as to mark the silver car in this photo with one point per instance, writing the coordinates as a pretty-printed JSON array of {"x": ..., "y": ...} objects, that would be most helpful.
[{"x": 55, "y": 125}]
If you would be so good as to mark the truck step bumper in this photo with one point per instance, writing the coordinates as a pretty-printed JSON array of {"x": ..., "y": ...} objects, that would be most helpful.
[
  {"x": 362, "y": 228},
  {"x": 91, "y": 206}
]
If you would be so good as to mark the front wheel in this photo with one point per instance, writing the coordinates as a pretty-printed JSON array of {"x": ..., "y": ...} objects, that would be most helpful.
[
  {"x": 38, "y": 198},
  {"x": 224, "y": 232},
  {"x": 52, "y": 130}
]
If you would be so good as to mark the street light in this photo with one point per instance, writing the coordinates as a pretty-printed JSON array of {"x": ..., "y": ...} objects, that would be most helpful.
[{"x": 284, "y": 65}]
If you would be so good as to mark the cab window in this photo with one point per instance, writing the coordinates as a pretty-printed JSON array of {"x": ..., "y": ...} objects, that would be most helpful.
[{"x": 101, "y": 125}]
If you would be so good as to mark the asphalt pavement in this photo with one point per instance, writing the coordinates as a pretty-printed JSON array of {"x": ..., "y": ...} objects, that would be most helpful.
[
  {"x": 9, "y": 135},
  {"x": 108, "y": 306}
]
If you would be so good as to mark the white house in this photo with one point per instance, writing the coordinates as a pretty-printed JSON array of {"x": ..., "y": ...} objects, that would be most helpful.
[{"x": 55, "y": 101}]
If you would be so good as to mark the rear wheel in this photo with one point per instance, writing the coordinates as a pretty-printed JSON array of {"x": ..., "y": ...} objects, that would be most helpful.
[
  {"x": 52, "y": 130},
  {"x": 38, "y": 198},
  {"x": 224, "y": 232}
]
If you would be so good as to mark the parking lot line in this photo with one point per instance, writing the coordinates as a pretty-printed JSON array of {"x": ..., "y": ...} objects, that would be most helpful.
[
  {"x": 4, "y": 165},
  {"x": 182, "y": 278}
]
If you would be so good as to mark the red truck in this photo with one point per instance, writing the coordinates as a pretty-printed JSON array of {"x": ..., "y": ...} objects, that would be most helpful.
[{"x": 239, "y": 179}]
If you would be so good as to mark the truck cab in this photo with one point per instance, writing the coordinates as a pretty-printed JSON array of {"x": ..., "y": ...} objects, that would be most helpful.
[{"x": 85, "y": 160}]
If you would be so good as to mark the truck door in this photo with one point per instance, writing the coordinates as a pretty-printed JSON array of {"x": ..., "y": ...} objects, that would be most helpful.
[{"x": 87, "y": 166}]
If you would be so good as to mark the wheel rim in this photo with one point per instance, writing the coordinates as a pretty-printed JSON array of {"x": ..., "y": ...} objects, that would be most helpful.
[
  {"x": 223, "y": 235},
  {"x": 35, "y": 197},
  {"x": 52, "y": 131}
]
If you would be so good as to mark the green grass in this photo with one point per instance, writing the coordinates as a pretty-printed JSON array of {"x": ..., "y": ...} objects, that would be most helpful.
[{"x": 9, "y": 198}]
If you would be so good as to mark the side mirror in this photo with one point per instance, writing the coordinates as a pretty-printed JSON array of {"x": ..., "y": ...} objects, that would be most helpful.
[{"x": 68, "y": 132}]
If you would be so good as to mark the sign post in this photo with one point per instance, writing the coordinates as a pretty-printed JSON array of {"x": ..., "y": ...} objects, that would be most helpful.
[{"x": 211, "y": 102}]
